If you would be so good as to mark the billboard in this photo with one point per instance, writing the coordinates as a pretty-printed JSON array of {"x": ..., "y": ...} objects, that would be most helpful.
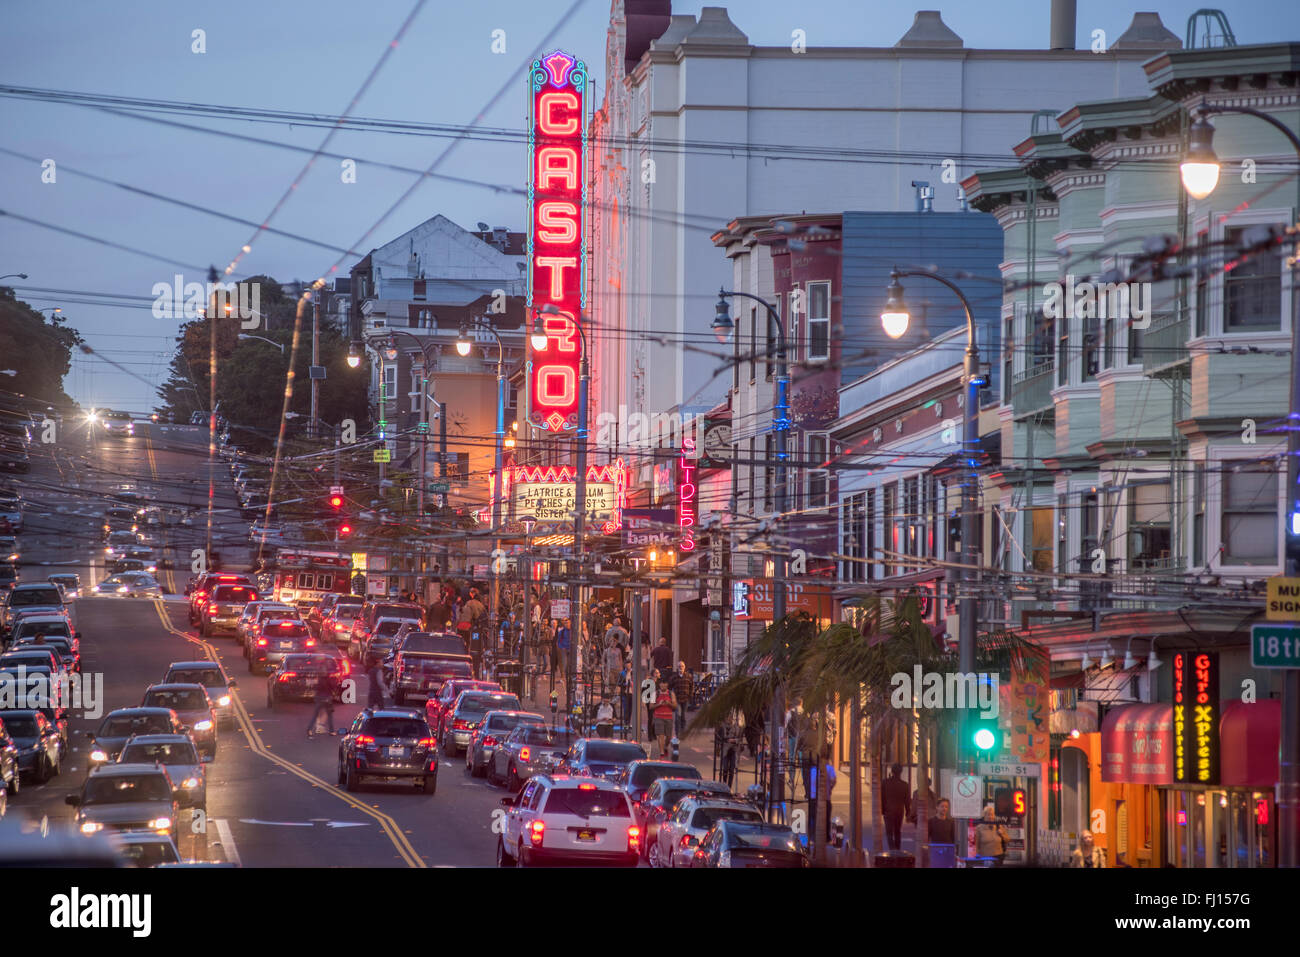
[{"x": 557, "y": 141}]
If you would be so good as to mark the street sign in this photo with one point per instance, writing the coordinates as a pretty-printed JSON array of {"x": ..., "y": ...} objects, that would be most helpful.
[
  {"x": 967, "y": 795},
  {"x": 439, "y": 486},
  {"x": 316, "y": 372},
  {"x": 383, "y": 455},
  {"x": 560, "y": 608},
  {"x": 1275, "y": 646},
  {"x": 336, "y": 489},
  {"x": 1009, "y": 770},
  {"x": 1283, "y": 599}
]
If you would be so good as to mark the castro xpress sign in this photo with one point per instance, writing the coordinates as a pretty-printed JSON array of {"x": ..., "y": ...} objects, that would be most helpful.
[{"x": 556, "y": 261}]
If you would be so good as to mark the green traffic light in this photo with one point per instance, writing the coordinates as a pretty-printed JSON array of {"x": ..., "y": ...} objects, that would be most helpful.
[{"x": 984, "y": 739}]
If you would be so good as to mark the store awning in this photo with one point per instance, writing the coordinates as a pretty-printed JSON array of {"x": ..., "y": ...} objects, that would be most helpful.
[
  {"x": 1137, "y": 744},
  {"x": 1249, "y": 735}
]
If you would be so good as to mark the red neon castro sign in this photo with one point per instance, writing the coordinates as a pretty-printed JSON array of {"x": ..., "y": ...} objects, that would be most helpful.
[{"x": 556, "y": 260}]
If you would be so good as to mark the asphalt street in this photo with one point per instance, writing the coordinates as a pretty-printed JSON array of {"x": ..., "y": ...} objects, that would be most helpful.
[{"x": 272, "y": 796}]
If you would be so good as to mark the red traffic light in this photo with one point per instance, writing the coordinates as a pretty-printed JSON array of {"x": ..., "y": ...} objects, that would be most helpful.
[
  {"x": 336, "y": 501},
  {"x": 345, "y": 530}
]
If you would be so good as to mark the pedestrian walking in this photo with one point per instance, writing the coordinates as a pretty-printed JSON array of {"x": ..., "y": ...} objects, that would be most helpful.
[
  {"x": 895, "y": 804},
  {"x": 626, "y": 714},
  {"x": 727, "y": 739},
  {"x": 991, "y": 837},
  {"x": 929, "y": 799},
  {"x": 663, "y": 710},
  {"x": 604, "y": 719},
  {"x": 613, "y": 662},
  {"x": 563, "y": 637},
  {"x": 1088, "y": 854},
  {"x": 324, "y": 701}
]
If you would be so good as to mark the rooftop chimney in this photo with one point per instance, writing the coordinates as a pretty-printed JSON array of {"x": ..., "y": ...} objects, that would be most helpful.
[
  {"x": 929, "y": 30},
  {"x": 1063, "y": 24}
]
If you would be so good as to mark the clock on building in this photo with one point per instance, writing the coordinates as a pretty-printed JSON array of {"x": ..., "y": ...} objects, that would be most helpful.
[{"x": 717, "y": 445}]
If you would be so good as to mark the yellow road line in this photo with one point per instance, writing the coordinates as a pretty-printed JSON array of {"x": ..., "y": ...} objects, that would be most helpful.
[{"x": 390, "y": 827}]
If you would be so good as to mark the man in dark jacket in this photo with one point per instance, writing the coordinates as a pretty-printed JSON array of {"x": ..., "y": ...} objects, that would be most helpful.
[
  {"x": 895, "y": 804},
  {"x": 942, "y": 826},
  {"x": 661, "y": 657}
]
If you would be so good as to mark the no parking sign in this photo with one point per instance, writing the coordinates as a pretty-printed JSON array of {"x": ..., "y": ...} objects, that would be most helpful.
[{"x": 967, "y": 795}]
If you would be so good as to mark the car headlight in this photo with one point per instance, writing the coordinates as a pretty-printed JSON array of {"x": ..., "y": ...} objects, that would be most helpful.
[
  {"x": 98, "y": 755},
  {"x": 190, "y": 783},
  {"x": 108, "y": 550},
  {"x": 204, "y": 725},
  {"x": 161, "y": 823},
  {"x": 90, "y": 827},
  {"x": 123, "y": 590},
  {"x": 224, "y": 700}
]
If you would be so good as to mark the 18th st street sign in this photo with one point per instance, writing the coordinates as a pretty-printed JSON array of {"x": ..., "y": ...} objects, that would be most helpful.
[{"x": 1275, "y": 646}]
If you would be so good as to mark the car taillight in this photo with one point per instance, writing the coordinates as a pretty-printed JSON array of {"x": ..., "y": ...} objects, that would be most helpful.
[
  {"x": 288, "y": 674},
  {"x": 311, "y": 642},
  {"x": 685, "y": 841},
  {"x": 586, "y": 787},
  {"x": 489, "y": 742},
  {"x": 535, "y": 832},
  {"x": 427, "y": 743},
  {"x": 525, "y": 754},
  {"x": 460, "y": 724},
  {"x": 212, "y": 611},
  {"x": 633, "y": 838},
  {"x": 365, "y": 739},
  {"x": 200, "y": 595},
  {"x": 261, "y": 642}
]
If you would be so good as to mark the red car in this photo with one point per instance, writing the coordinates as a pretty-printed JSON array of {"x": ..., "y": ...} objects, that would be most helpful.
[{"x": 435, "y": 708}]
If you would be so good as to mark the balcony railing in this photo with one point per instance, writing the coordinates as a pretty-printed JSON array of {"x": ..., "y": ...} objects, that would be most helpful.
[
  {"x": 1164, "y": 344},
  {"x": 1032, "y": 389}
]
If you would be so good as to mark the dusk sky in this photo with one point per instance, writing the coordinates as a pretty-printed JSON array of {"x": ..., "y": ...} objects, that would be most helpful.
[{"x": 315, "y": 57}]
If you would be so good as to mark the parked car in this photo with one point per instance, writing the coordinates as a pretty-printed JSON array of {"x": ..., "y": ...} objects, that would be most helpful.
[
  {"x": 568, "y": 820},
  {"x": 10, "y": 778},
  {"x": 392, "y": 744},
  {"x": 489, "y": 734}
]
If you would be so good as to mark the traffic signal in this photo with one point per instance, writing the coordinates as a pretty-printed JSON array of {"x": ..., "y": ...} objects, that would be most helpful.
[
  {"x": 336, "y": 502},
  {"x": 345, "y": 529},
  {"x": 982, "y": 734}
]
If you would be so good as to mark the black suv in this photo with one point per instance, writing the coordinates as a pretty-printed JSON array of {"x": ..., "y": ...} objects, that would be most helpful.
[{"x": 389, "y": 743}]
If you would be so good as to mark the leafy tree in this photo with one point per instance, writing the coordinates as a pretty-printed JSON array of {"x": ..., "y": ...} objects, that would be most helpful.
[{"x": 39, "y": 350}]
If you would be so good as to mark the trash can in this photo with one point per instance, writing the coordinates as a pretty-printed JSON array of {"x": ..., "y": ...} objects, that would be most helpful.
[
  {"x": 510, "y": 675},
  {"x": 942, "y": 855},
  {"x": 895, "y": 859}
]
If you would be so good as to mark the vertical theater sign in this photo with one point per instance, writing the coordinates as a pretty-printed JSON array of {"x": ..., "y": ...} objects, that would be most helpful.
[{"x": 557, "y": 271}]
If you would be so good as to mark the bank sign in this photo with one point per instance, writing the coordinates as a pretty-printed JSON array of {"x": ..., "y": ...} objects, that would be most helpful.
[{"x": 557, "y": 141}]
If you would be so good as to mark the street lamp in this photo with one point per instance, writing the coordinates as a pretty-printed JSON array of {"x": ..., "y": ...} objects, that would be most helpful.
[
  {"x": 540, "y": 341},
  {"x": 390, "y": 349},
  {"x": 463, "y": 346},
  {"x": 1200, "y": 173},
  {"x": 270, "y": 342},
  {"x": 895, "y": 319},
  {"x": 20, "y": 275},
  {"x": 722, "y": 326},
  {"x": 354, "y": 355}
]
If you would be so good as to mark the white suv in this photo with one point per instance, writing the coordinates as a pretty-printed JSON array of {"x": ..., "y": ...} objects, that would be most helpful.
[{"x": 564, "y": 819}]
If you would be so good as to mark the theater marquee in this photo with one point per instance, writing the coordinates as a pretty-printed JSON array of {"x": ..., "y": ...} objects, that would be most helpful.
[{"x": 556, "y": 262}]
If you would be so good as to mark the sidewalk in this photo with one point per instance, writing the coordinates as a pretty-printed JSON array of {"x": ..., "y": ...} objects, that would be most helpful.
[{"x": 696, "y": 748}]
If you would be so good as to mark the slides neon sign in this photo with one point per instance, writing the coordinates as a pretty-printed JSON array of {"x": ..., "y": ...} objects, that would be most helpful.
[{"x": 556, "y": 263}]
